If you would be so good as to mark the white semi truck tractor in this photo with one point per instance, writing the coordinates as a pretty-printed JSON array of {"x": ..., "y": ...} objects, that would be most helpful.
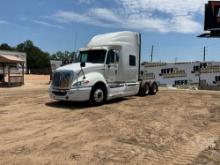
[{"x": 109, "y": 67}]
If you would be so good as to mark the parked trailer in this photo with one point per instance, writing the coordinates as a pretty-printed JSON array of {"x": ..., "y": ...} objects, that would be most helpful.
[
  {"x": 108, "y": 68},
  {"x": 205, "y": 75}
]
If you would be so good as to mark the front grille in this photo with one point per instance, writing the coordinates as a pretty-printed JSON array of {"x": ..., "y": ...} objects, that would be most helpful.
[
  {"x": 62, "y": 79},
  {"x": 60, "y": 93}
]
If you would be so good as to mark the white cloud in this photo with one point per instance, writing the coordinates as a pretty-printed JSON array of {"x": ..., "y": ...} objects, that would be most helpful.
[
  {"x": 88, "y": 18},
  {"x": 173, "y": 7},
  {"x": 164, "y": 15},
  {"x": 185, "y": 24},
  {"x": 48, "y": 24},
  {"x": 145, "y": 15},
  {"x": 84, "y": 1},
  {"x": 104, "y": 14},
  {"x": 66, "y": 16},
  {"x": 3, "y": 22}
]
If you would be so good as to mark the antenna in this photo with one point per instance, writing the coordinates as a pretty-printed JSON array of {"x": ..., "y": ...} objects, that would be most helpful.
[{"x": 152, "y": 53}]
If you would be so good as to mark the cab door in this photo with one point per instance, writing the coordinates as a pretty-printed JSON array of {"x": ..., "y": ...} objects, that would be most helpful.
[{"x": 111, "y": 67}]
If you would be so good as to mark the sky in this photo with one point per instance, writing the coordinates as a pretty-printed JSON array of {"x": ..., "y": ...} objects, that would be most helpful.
[{"x": 172, "y": 26}]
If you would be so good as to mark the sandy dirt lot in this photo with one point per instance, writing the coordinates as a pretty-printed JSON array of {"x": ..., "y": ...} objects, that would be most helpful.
[{"x": 173, "y": 127}]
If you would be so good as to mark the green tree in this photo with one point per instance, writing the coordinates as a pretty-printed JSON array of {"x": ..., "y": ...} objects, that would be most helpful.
[
  {"x": 66, "y": 56},
  {"x": 5, "y": 46},
  {"x": 36, "y": 58}
]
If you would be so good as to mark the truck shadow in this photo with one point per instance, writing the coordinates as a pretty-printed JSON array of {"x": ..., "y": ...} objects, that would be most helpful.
[{"x": 67, "y": 105}]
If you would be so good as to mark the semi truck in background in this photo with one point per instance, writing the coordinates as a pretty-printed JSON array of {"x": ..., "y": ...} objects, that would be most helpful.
[{"x": 109, "y": 67}]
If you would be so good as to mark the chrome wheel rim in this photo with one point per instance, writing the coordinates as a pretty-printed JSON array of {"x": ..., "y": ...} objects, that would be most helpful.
[{"x": 98, "y": 96}]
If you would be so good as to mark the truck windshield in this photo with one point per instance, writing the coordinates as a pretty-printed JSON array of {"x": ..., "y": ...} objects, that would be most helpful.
[{"x": 93, "y": 56}]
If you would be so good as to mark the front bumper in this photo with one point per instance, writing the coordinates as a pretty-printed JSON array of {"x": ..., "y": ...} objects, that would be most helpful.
[{"x": 78, "y": 94}]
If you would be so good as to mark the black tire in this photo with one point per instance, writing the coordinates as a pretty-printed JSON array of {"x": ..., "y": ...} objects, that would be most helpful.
[
  {"x": 153, "y": 89},
  {"x": 143, "y": 90},
  {"x": 98, "y": 95}
]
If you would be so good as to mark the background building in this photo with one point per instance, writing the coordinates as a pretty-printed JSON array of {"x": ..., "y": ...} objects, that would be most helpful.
[
  {"x": 19, "y": 55},
  {"x": 12, "y": 68}
]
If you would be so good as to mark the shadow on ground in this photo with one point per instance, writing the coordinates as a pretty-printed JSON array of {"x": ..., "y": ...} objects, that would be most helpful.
[{"x": 69, "y": 105}]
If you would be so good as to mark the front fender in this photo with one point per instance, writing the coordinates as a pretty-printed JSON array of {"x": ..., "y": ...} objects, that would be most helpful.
[
  {"x": 92, "y": 78},
  {"x": 95, "y": 77}
]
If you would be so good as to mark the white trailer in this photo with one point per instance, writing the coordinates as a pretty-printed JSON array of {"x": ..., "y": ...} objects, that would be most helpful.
[
  {"x": 203, "y": 74},
  {"x": 108, "y": 68}
]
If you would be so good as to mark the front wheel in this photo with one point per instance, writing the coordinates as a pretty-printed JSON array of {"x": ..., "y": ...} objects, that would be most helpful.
[{"x": 98, "y": 95}]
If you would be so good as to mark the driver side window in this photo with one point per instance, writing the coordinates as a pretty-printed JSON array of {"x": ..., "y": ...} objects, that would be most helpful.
[{"x": 112, "y": 57}]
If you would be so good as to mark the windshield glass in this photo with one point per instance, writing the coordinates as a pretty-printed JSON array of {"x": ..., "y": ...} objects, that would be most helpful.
[{"x": 93, "y": 56}]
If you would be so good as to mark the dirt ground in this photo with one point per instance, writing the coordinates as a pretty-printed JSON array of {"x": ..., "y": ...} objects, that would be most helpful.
[{"x": 173, "y": 127}]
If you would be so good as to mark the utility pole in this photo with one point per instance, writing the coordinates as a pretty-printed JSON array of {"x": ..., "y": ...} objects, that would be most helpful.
[
  {"x": 75, "y": 45},
  {"x": 152, "y": 53},
  {"x": 176, "y": 59},
  {"x": 75, "y": 41},
  {"x": 204, "y": 54}
]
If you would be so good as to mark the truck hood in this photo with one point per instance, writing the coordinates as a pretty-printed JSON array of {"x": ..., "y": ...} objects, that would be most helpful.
[{"x": 76, "y": 67}]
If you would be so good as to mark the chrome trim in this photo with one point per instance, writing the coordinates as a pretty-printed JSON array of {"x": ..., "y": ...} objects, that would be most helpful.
[{"x": 62, "y": 79}]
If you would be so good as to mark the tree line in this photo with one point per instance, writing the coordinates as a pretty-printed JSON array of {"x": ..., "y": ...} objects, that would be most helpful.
[{"x": 37, "y": 58}]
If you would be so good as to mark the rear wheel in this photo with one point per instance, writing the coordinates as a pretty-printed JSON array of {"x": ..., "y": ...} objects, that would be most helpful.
[
  {"x": 98, "y": 95},
  {"x": 153, "y": 89},
  {"x": 144, "y": 89}
]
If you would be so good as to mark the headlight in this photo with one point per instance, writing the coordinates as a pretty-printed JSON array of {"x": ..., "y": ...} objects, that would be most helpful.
[{"x": 80, "y": 83}]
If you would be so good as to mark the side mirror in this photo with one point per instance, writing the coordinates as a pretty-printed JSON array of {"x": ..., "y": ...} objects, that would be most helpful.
[{"x": 82, "y": 64}]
